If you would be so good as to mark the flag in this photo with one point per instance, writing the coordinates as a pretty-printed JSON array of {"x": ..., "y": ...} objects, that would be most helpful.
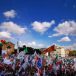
[
  {"x": 33, "y": 62},
  {"x": 7, "y": 61},
  {"x": 58, "y": 62},
  {"x": 56, "y": 56},
  {"x": 26, "y": 58},
  {"x": 44, "y": 62},
  {"x": 44, "y": 74},
  {"x": 14, "y": 63},
  {"x": 1, "y": 44},
  {"x": 35, "y": 54},
  {"x": 54, "y": 69},
  {"x": 39, "y": 63},
  {"x": 3, "y": 41},
  {"x": 36, "y": 58},
  {"x": 55, "y": 60},
  {"x": 38, "y": 73}
]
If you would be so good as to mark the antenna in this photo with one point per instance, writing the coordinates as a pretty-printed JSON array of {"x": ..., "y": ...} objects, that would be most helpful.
[{"x": 18, "y": 45}]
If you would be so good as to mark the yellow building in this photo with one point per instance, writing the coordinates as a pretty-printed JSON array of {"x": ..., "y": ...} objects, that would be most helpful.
[
  {"x": 60, "y": 51},
  {"x": 9, "y": 47},
  {"x": 54, "y": 49}
]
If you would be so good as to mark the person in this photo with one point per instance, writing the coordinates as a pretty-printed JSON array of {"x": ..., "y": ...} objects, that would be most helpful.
[
  {"x": 75, "y": 68},
  {"x": 36, "y": 74}
]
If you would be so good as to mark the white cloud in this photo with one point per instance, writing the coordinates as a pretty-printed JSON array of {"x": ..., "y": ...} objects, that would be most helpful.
[
  {"x": 41, "y": 45},
  {"x": 72, "y": 47},
  {"x": 57, "y": 34},
  {"x": 65, "y": 28},
  {"x": 64, "y": 39},
  {"x": 49, "y": 36},
  {"x": 13, "y": 27},
  {"x": 35, "y": 44},
  {"x": 42, "y": 26},
  {"x": 31, "y": 44},
  {"x": 5, "y": 35},
  {"x": 10, "y": 14}
]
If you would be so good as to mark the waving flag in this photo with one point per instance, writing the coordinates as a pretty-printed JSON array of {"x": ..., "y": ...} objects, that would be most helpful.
[
  {"x": 3, "y": 41},
  {"x": 1, "y": 44},
  {"x": 39, "y": 63}
]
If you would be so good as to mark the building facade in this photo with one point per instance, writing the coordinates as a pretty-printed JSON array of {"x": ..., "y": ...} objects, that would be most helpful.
[
  {"x": 9, "y": 47},
  {"x": 53, "y": 50}
]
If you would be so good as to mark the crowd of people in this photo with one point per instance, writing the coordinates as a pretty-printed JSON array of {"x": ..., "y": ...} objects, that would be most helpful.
[{"x": 37, "y": 65}]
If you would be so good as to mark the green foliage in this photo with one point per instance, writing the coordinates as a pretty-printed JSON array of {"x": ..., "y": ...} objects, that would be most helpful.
[
  {"x": 8, "y": 47},
  {"x": 72, "y": 53}
]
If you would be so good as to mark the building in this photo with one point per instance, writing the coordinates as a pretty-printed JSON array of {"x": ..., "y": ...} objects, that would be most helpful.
[
  {"x": 60, "y": 51},
  {"x": 8, "y": 47},
  {"x": 54, "y": 49},
  {"x": 48, "y": 51}
]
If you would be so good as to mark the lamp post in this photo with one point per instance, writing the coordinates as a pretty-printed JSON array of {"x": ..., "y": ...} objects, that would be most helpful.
[{"x": 17, "y": 47}]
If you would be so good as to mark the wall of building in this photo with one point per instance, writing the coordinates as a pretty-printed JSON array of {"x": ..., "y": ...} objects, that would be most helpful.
[{"x": 4, "y": 47}]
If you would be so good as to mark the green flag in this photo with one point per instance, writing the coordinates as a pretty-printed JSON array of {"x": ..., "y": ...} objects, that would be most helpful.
[
  {"x": 56, "y": 59},
  {"x": 56, "y": 56},
  {"x": 25, "y": 50},
  {"x": 1, "y": 44},
  {"x": 0, "y": 57}
]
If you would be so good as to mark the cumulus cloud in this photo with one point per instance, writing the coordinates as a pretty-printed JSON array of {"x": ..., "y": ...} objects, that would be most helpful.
[
  {"x": 5, "y": 35},
  {"x": 73, "y": 46},
  {"x": 13, "y": 27},
  {"x": 42, "y": 26},
  {"x": 50, "y": 36},
  {"x": 64, "y": 39},
  {"x": 31, "y": 44},
  {"x": 35, "y": 44},
  {"x": 10, "y": 14},
  {"x": 65, "y": 28}
]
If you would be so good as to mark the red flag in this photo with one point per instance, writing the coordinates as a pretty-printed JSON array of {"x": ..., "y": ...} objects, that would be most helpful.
[
  {"x": 58, "y": 62},
  {"x": 36, "y": 58},
  {"x": 50, "y": 67},
  {"x": 3, "y": 41}
]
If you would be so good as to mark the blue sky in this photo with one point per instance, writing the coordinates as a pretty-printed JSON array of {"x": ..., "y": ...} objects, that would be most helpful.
[{"x": 39, "y": 23}]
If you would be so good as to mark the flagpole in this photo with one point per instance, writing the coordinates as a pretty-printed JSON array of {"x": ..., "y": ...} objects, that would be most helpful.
[{"x": 17, "y": 46}]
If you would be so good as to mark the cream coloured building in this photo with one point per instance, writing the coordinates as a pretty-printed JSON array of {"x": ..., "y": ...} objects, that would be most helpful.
[{"x": 59, "y": 50}]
